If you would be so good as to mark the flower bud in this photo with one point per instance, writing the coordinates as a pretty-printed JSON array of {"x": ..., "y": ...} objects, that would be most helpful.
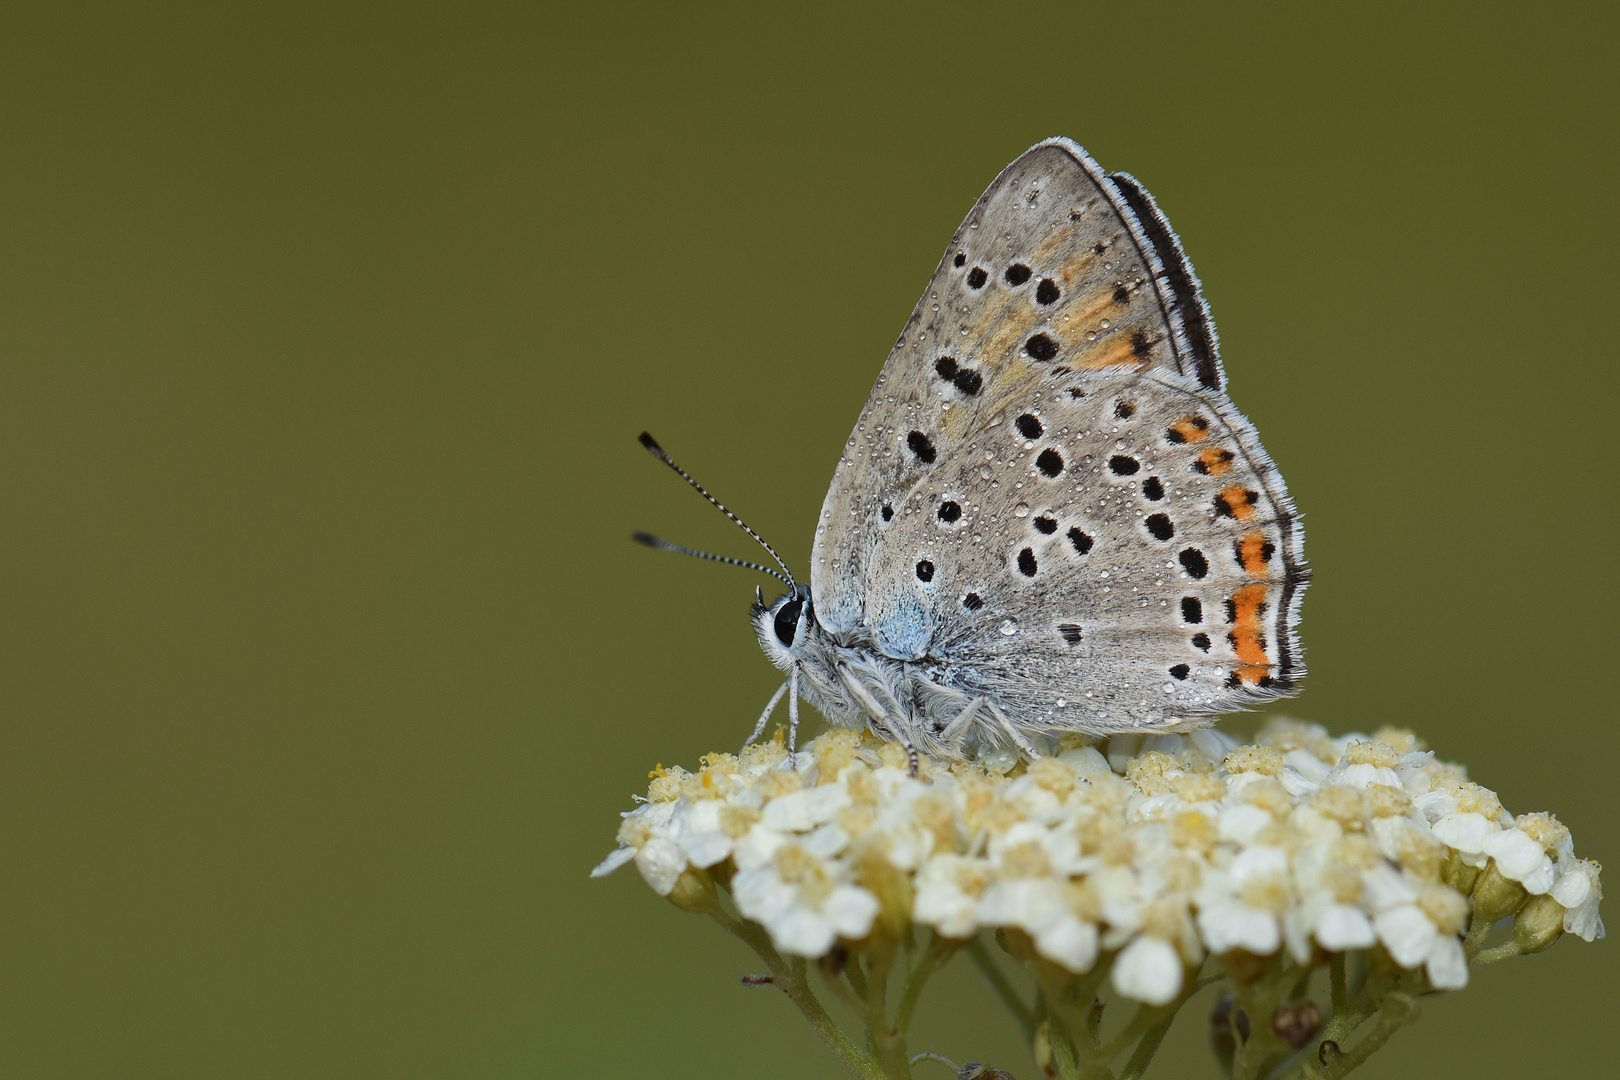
[
  {"x": 694, "y": 891},
  {"x": 1538, "y": 924},
  {"x": 1458, "y": 874},
  {"x": 1496, "y": 897}
]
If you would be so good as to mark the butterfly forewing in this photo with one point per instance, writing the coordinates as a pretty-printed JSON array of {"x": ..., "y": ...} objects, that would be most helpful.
[{"x": 1047, "y": 483}]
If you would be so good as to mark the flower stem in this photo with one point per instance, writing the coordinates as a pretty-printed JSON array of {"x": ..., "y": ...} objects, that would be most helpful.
[
  {"x": 791, "y": 980},
  {"x": 939, "y": 950},
  {"x": 1341, "y": 995},
  {"x": 1139, "y": 1059},
  {"x": 1259, "y": 999},
  {"x": 890, "y": 1040},
  {"x": 1395, "y": 1011},
  {"x": 1499, "y": 952},
  {"x": 1021, "y": 1013}
]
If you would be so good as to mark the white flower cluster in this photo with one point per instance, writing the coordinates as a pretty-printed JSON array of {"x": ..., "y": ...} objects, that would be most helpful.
[{"x": 1164, "y": 848}]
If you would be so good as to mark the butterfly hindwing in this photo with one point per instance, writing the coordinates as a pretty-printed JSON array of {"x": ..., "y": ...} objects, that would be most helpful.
[{"x": 978, "y": 518}]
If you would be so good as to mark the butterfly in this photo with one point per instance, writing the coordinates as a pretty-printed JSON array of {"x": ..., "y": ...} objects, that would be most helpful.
[{"x": 1050, "y": 517}]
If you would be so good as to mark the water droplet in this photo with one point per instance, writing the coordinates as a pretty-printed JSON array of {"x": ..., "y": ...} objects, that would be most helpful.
[
  {"x": 1009, "y": 627},
  {"x": 1063, "y": 703},
  {"x": 998, "y": 760},
  {"x": 1091, "y": 335},
  {"x": 1105, "y": 324},
  {"x": 1021, "y": 510},
  {"x": 1169, "y": 688},
  {"x": 986, "y": 471}
]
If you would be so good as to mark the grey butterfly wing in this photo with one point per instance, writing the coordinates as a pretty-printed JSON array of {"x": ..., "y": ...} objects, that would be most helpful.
[{"x": 984, "y": 448}]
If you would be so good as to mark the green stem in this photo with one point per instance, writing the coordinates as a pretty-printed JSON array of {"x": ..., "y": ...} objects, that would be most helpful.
[
  {"x": 843, "y": 991},
  {"x": 1500, "y": 952},
  {"x": 790, "y": 979},
  {"x": 856, "y": 974},
  {"x": 1478, "y": 930},
  {"x": 1146, "y": 1018},
  {"x": 1021, "y": 1013},
  {"x": 939, "y": 951},
  {"x": 890, "y": 1040},
  {"x": 1341, "y": 996},
  {"x": 1260, "y": 999},
  {"x": 1395, "y": 1012},
  {"x": 1150, "y": 1024},
  {"x": 1139, "y": 1059}
]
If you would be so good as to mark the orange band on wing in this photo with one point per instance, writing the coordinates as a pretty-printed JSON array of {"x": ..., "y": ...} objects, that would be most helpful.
[
  {"x": 1236, "y": 502},
  {"x": 1248, "y": 636},
  {"x": 1214, "y": 462},
  {"x": 1189, "y": 429},
  {"x": 1254, "y": 553}
]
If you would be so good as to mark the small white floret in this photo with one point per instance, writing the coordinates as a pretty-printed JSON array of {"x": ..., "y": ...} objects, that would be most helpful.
[
  {"x": 1148, "y": 970},
  {"x": 661, "y": 862},
  {"x": 1447, "y": 964},
  {"x": 1407, "y": 933}
]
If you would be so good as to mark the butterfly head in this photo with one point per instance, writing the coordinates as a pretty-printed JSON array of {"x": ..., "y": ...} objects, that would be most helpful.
[{"x": 786, "y": 626}]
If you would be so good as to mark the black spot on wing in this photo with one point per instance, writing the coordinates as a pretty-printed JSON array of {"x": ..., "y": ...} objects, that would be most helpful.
[
  {"x": 921, "y": 446},
  {"x": 1041, "y": 347}
]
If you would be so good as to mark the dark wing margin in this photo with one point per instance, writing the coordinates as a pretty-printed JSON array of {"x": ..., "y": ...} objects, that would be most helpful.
[{"x": 1197, "y": 347}]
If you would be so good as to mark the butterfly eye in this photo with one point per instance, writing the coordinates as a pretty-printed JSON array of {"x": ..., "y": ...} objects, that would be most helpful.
[{"x": 787, "y": 621}]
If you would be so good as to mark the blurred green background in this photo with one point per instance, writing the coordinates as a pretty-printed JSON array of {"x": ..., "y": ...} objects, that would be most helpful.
[{"x": 325, "y": 336}]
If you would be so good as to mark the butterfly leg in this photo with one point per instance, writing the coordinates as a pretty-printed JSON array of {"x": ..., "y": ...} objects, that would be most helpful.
[
  {"x": 1006, "y": 725},
  {"x": 896, "y": 729},
  {"x": 793, "y": 713},
  {"x": 958, "y": 727},
  {"x": 765, "y": 716}
]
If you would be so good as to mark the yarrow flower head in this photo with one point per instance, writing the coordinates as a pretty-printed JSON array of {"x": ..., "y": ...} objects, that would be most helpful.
[{"x": 1140, "y": 860}]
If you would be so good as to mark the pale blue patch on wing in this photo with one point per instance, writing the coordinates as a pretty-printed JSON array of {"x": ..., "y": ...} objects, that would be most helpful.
[{"x": 902, "y": 627}]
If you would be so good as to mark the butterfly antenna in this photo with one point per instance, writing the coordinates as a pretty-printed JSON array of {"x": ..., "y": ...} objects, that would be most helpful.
[
  {"x": 664, "y": 545},
  {"x": 652, "y": 541}
]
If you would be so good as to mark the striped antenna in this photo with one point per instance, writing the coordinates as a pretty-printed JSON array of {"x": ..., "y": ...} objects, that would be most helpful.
[{"x": 664, "y": 545}]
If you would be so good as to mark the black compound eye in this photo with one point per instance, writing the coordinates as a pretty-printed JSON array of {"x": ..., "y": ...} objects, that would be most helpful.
[{"x": 787, "y": 621}]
